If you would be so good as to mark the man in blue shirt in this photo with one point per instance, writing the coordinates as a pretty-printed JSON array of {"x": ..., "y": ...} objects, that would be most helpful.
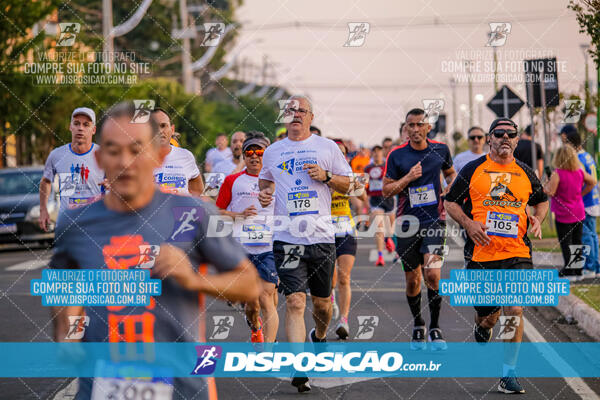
[
  {"x": 413, "y": 173},
  {"x": 591, "y": 201}
]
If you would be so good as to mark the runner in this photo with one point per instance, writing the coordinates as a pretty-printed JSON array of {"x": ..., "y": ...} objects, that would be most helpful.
[
  {"x": 179, "y": 173},
  {"x": 235, "y": 163},
  {"x": 79, "y": 177},
  {"x": 381, "y": 207},
  {"x": 345, "y": 250},
  {"x": 238, "y": 198},
  {"x": 387, "y": 144},
  {"x": 217, "y": 154},
  {"x": 297, "y": 173},
  {"x": 413, "y": 173},
  {"x": 498, "y": 184},
  {"x": 108, "y": 234},
  {"x": 476, "y": 138}
]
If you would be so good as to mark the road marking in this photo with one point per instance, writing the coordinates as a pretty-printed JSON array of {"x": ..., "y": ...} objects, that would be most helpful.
[
  {"x": 577, "y": 384},
  {"x": 327, "y": 383},
  {"x": 29, "y": 265}
]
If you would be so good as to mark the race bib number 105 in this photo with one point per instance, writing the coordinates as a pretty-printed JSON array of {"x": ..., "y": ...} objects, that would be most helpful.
[{"x": 501, "y": 224}]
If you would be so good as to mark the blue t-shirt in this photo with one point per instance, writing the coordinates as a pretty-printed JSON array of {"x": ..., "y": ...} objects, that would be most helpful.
[
  {"x": 421, "y": 198},
  {"x": 592, "y": 198},
  {"x": 93, "y": 237}
]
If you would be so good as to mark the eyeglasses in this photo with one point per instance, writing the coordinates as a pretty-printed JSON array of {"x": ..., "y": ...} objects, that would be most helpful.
[
  {"x": 475, "y": 137},
  {"x": 258, "y": 152},
  {"x": 300, "y": 111},
  {"x": 499, "y": 133}
]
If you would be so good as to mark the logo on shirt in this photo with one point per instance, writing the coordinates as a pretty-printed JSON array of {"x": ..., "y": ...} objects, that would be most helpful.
[
  {"x": 207, "y": 359},
  {"x": 287, "y": 166},
  {"x": 499, "y": 191},
  {"x": 186, "y": 223},
  {"x": 77, "y": 325}
]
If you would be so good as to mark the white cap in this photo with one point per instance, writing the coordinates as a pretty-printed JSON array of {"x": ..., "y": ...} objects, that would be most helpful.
[{"x": 85, "y": 111}]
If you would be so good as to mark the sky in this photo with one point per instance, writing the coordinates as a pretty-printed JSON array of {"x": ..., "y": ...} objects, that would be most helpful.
[{"x": 410, "y": 53}]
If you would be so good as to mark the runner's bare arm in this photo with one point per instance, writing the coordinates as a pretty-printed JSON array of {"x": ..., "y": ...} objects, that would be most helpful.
[
  {"x": 552, "y": 184},
  {"x": 475, "y": 230},
  {"x": 450, "y": 175},
  {"x": 589, "y": 181},
  {"x": 392, "y": 187},
  {"x": 45, "y": 188},
  {"x": 196, "y": 186},
  {"x": 60, "y": 321},
  {"x": 267, "y": 188}
]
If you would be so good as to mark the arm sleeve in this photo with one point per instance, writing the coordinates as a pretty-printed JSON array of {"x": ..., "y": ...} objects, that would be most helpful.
[
  {"x": 192, "y": 168},
  {"x": 447, "y": 160},
  {"x": 224, "y": 253},
  {"x": 265, "y": 172},
  {"x": 224, "y": 196},
  {"x": 339, "y": 165},
  {"x": 392, "y": 169},
  {"x": 49, "y": 170}
]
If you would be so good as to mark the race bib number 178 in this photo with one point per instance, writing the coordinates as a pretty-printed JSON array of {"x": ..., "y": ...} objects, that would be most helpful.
[{"x": 305, "y": 202}]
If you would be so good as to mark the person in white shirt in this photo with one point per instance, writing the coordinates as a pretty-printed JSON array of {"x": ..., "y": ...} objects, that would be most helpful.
[
  {"x": 178, "y": 173},
  {"x": 217, "y": 154},
  {"x": 79, "y": 177},
  {"x": 238, "y": 198},
  {"x": 298, "y": 173},
  {"x": 236, "y": 162},
  {"x": 476, "y": 142}
]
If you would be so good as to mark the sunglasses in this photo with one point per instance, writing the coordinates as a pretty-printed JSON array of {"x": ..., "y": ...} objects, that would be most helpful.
[
  {"x": 499, "y": 133},
  {"x": 475, "y": 137},
  {"x": 258, "y": 152}
]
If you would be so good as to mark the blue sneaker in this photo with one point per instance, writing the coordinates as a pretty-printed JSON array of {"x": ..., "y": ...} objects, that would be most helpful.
[
  {"x": 436, "y": 339},
  {"x": 418, "y": 338},
  {"x": 510, "y": 385}
]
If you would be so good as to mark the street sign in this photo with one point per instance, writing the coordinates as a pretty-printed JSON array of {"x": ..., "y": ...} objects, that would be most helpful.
[
  {"x": 533, "y": 73},
  {"x": 505, "y": 103}
]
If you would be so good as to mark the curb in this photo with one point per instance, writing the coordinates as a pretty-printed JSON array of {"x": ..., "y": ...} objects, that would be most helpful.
[{"x": 588, "y": 319}]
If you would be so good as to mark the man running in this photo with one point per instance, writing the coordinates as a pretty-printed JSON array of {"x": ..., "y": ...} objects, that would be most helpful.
[
  {"x": 298, "y": 173},
  {"x": 75, "y": 188},
  {"x": 381, "y": 207},
  {"x": 235, "y": 163},
  {"x": 178, "y": 173},
  {"x": 217, "y": 154},
  {"x": 109, "y": 233},
  {"x": 498, "y": 185},
  {"x": 413, "y": 173},
  {"x": 238, "y": 198}
]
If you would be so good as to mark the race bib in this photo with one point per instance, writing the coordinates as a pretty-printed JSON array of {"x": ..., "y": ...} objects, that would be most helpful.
[
  {"x": 305, "y": 202},
  {"x": 76, "y": 202},
  {"x": 375, "y": 185},
  {"x": 256, "y": 235},
  {"x": 130, "y": 388},
  {"x": 501, "y": 224},
  {"x": 422, "y": 196},
  {"x": 342, "y": 225}
]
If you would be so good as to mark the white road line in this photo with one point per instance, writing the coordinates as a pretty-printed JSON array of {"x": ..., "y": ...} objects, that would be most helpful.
[
  {"x": 577, "y": 384},
  {"x": 29, "y": 265}
]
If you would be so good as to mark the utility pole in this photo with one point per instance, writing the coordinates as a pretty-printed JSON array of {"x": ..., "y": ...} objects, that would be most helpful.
[
  {"x": 469, "y": 66},
  {"x": 107, "y": 25},
  {"x": 186, "y": 56},
  {"x": 454, "y": 115}
]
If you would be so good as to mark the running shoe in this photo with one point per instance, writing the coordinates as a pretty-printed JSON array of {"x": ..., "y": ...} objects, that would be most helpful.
[
  {"x": 256, "y": 335},
  {"x": 418, "y": 338},
  {"x": 482, "y": 335},
  {"x": 342, "y": 329},
  {"x": 380, "y": 261},
  {"x": 436, "y": 339},
  {"x": 335, "y": 310},
  {"x": 510, "y": 385},
  {"x": 390, "y": 246},
  {"x": 313, "y": 337},
  {"x": 301, "y": 383}
]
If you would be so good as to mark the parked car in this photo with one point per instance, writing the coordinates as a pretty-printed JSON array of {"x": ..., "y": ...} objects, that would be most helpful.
[{"x": 20, "y": 206}]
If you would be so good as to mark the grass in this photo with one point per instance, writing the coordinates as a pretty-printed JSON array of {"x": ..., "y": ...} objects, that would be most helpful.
[
  {"x": 546, "y": 249},
  {"x": 588, "y": 293}
]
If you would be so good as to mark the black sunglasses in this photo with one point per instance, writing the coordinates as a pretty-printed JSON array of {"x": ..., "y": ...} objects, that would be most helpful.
[
  {"x": 499, "y": 133},
  {"x": 475, "y": 137}
]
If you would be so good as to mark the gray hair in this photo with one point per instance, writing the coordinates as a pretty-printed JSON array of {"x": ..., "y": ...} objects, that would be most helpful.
[{"x": 298, "y": 97}]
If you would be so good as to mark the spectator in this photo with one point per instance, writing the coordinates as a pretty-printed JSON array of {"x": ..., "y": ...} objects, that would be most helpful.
[
  {"x": 387, "y": 146},
  {"x": 219, "y": 153},
  {"x": 476, "y": 142},
  {"x": 523, "y": 151},
  {"x": 591, "y": 200},
  {"x": 315, "y": 131},
  {"x": 565, "y": 188},
  {"x": 403, "y": 133},
  {"x": 236, "y": 162}
]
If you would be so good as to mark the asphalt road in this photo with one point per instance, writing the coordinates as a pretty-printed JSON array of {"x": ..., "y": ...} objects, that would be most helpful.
[{"x": 376, "y": 292}]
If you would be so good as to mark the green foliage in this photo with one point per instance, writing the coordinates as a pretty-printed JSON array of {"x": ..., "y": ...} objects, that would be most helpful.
[{"x": 588, "y": 17}]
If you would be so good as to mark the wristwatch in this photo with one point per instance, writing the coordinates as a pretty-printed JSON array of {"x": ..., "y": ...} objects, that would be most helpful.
[{"x": 328, "y": 176}]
